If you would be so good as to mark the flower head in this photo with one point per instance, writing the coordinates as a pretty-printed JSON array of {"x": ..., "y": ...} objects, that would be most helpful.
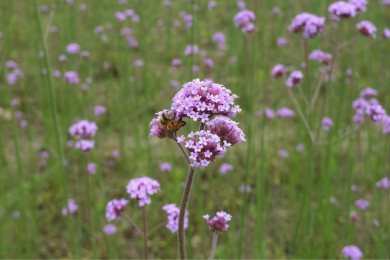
[
  {"x": 99, "y": 110},
  {"x": 83, "y": 129},
  {"x": 72, "y": 208},
  {"x": 278, "y": 71},
  {"x": 320, "y": 56},
  {"x": 367, "y": 28},
  {"x": 360, "y": 5},
  {"x": 376, "y": 112},
  {"x": 173, "y": 217},
  {"x": 294, "y": 78},
  {"x": 141, "y": 188},
  {"x": 326, "y": 123},
  {"x": 362, "y": 204},
  {"x": 352, "y": 252},
  {"x": 243, "y": 17},
  {"x": 109, "y": 229},
  {"x": 281, "y": 42},
  {"x": 310, "y": 24},
  {"x": 91, "y": 167},
  {"x": 386, "y": 33},
  {"x": 384, "y": 183},
  {"x": 73, "y": 48},
  {"x": 165, "y": 167},
  {"x": 191, "y": 50},
  {"x": 176, "y": 63},
  {"x": 85, "y": 145},
  {"x": 342, "y": 9},
  {"x": 71, "y": 77},
  {"x": 285, "y": 112},
  {"x": 200, "y": 100},
  {"x": 225, "y": 168},
  {"x": 226, "y": 129},
  {"x": 115, "y": 208},
  {"x": 219, "y": 222}
]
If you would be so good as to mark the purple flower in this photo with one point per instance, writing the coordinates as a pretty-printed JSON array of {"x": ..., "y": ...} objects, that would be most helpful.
[
  {"x": 91, "y": 167},
  {"x": 156, "y": 129},
  {"x": 43, "y": 154},
  {"x": 115, "y": 208},
  {"x": 165, "y": 167},
  {"x": 243, "y": 17},
  {"x": 367, "y": 28},
  {"x": 368, "y": 92},
  {"x": 43, "y": 9},
  {"x": 219, "y": 222},
  {"x": 176, "y": 63},
  {"x": 204, "y": 99},
  {"x": 62, "y": 58},
  {"x": 15, "y": 102},
  {"x": 375, "y": 223},
  {"x": 209, "y": 63},
  {"x": 195, "y": 68},
  {"x": 362, "y": 204},
  {"x": 225, "y": 168},
  {"x": 386, "y": 2},
  {"x": 386, "y": 125},
  {"x": 281, "y": 42},
  {"x": 83, "y": 7},
  {"x": 326, "y": 123},
  {"x": 11, "y": 64},
  {"x": 310, "y": 24},
  {"x": 352, "y": 252},
  {"x": 278, "y": 71},
  {"x": 360, "y": 5},
  {"x": 98, "y": 30},
  {"x": 243, "y": 188},
  {"x": 125, "y": 31},
  {"x": 386, "y": 33},
  {"x": 99, "y": 110},
  {"x": 138, "y": 63},
  {"x": 85, "y": 145},
  {"x": 384, "y": 183},
  {"x": 132, "y": 42},
  {"x": 283, "y": 154},
  {"x": 294, "y": 78},
  {"x": 109, "y": 229},
  {"x": 141, "y": 188},
  {"x": 241, "y": 4},
  {"x": 342, "y": 9},
  {"x": 248, "y": 28},
  {"x": 173, "y": 217},
  {"x": 73, "y": 48},
  {"x": 72, "y": 77},
  {"x": 212, "y": 4},
  {"x": 72, "y": 207},
  {"x": 167, "y": 3},
  {"x": 115, "y": 154},
  {"x": 226, "y": 129},
  {"x": 300, "y": 148},
  {"x": 333, "y": 200},
  {"x": 191, "y": 50},
  {"x": 130, "y": 12},
  {"x": 85, "y": 55},
  {"x": 83, "y": 129},
  {"x": 54, "y": 29},
  {"x": 120, "y": 16},
  {"x": 320, "y": 56},
  {"x": 220, "y": 39},
  {"x": 57, "y": 74},
  {"x": 23, "y": 123},
  {"x": 18, "y": 114},
  {"x": 285, "y": 112},
  {"x": 376, "y": 112},
  {"x": 175, "y": 84}
]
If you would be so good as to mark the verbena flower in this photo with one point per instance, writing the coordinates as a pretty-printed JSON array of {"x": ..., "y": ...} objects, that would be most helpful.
[
  {"x": 200, "y": 100},
  {"x": 83, "y": 129},
  {"x": 73, "y": 48},
  {"x": 219, "y": 222},
  {"x": 91, "y": 167},
  {"x": 109, "y": 229},
  {"x": 294, "y": 78},
  {"x": 191, "y": 50},
  {"x": 165, "y": 167},
  {"x": 120, "y": 16},
  {"x": 342, "y": 9},
  {"x": 115, "y": 154},
  {"x": 11, "y": 64},
  {"x": 212, "y": 4},
  {"x": 376, "y": 113},
  {"x": 248, "y": 28},
  {"x": 115, "y": 208},
  {"x": 138, "y": 63},
  {"x": 141, "y": 188},
  {"x": 62, "y": 58},
  {"x": 375, "y": 223},
  {"x": 283, "y": 154},
  {"x": 242, "y": 188},
  {"x": 368, "y": 92},
  {"x": 241, "y": 4},
  {"x": 362, "y": 204},
  {"x": 360, "y": 5},
  {"x": 300, "y": 148},
  {"x": 310, "y": 24},
  {"x": 98, "y": 30},
  {"x": 209, "y": 63},
  {"x": 99, "y": 110},
  {"x": 384, "y": 183},
  {"x": 225, "y": 168},
  {"x": 281, "y": 42},
  {"x": 176, "y": 63},
  {"x": 386, "y": 33},
  {"x": 85, "y": 145},
  {"x": 278, "y": 71},
  {"x": 227, "y": 130},
  {"x": 285, "y": 112},
  {"x": 173, "y": 217},
  {"x": 326, "y": 123},
  {"x": 71, "y": 208},
  {"x": 320, "y": 56},
  {"x": 367, "y": 28},
  {"x": 71, "y": 77},
  {"x": 353, "y": 216},
  {"x": 352, "y": 252},
  {"x": 220, "y": 39},
  {"x": 243, "y": 17}
]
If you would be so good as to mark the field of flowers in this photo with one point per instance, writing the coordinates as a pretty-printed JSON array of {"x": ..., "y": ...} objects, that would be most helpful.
[{"x": 196, "y": 129}]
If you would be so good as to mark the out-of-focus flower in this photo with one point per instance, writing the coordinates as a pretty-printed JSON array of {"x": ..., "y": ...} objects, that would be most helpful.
[
  {"x": 276, "y": 10},
  {"x": 281, "y": 42},
  {"x": 125, "y": 31},
  {"x": 243, "y": 17},
  {"x": 269, "y": 113},
  {"x": 333, "y": 200},
  {"x": 15, "y": 214},
  {"x": 352, "y": 252},
  {"x": 320, "y": 56},
  {"x": 132, "y": 42},
  {"x": 54, "y": 29},
  {"x": 360, "y": 5},
  {"x": 219, "y": 222},
  {"x": 85, "y": 145},
  {"x": 376, "y": 113},
  {"x": 99, "y": 110},
  {"x": 294, "y": 78},
  {"x": 243, "y": 188},
  {"x": 15, "y": 102},
  {"x": 85, "y": 55},
  {"x": 98, "y": 30},
  {"x": 212, "y": 4},
  {"x": 71, "y": 77},
  {"x": 138, "y": 63},
  {"x": 283, "y": 154},
  {"x": 368, "y": 92},
  {"x": 173, "y": 217},
  {"x": 354, "y": 216},
  {"x": 167, "y": 3},
  {"x": 386, "y": 33},
  {"x": 62, "y": 58},
  {"x": 195, "y": 68},
  {"x": 375, "y": 223},
  {"x": 57, "y": 74},
  {"x": 115, "y": 208},
  {"x": 367, "y": 28},
  {"x": 326, "y": 123},
  {"x": 310, "y": 24},
  {"x": 386, "y": 2},
  {"x": 241, "y": 4},
  {"x": 362, "y": 204},
  {"x": 72, "y": 208},
  {"x": 70, "y": 143},
  {"x": 278, "y": 71},
  {"x": 73, "y": 48},
  {"x": 300, "y": 148},
  {"x": 225, "y": 168},
  {"x": 353, "y": 188},
  {"x": 43, "y": 9},
  {"x": 83, "y": 7},
  {"x": 209, "y": 63},
  {"x": 23, "y": 123},
  {"x": 120, "y": 16},
  {"x": 220, "y": 39},
  {"x": 176, "y": 63},
  {"x": 342, "y": 9},
  {"x": 115, "y": 154},
  {"x": 83, "y": 129},
  {"x": 175, "y": 84},
  {"x": 165, "y": 167},
  {"x": 141, "y": 188},
  {"x": 384, "y": 183},
  {"x": 91, "y": 167},
  {"x": 285, "y": 112},
  {"x": 109, "y": 229},
  {"x": 43, "y": 154},
  {"x": 11, "y": 64},
  {"x": 191, "y": 50}
]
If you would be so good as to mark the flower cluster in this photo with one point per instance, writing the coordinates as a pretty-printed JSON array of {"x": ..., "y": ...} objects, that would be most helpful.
[
  {"x": 342, "y": 9},
  {"x": 225, "y": 168},
  {"x": 16, "y": 74},
  {"x": 226, "y": 129},
  {"x": 370, "y": 107},
  {"x": 71, "y": 77},
  {"x": 278, "y": 71},
  {"x": 367, "y": 28},
  {"x": 165, "y": 167},
  {"x": 285, "y": 112},
  {"x": 321, "y": 56},
  {"x": 326, "y": 123},
  {"x": 141, "y": 188},
  {"x": 352, "y": 252},
  {"x": 73, "y": 48},
  {"x": 384, "y": 183},
  {"x": 191, "y": 50},
  {"x": 115, "y": 208},
  {"x": 294, "y": 78},
  {"x": 360, "y": 5},
  {"x": 84, "y": 131},
  {"x": 243, "y": 19},
  {"x": 109, "y": 229},
  {"x": 200, "y": 100},
  {"x": 310, "y": 24},
  {"x": 219, "y": 222},
  {"x": 362, "y": 204},
  {"x": 173, "y": 217},
  {"x": 72, "y": 207},
  {"x": 219, "y": 38}
]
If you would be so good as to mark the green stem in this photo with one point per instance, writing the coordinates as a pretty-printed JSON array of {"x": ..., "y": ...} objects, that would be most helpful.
[{"x": 213, "y": 245}]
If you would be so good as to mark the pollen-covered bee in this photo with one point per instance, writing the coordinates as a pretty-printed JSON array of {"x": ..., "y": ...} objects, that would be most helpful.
[{"x": 169, "y": 121}]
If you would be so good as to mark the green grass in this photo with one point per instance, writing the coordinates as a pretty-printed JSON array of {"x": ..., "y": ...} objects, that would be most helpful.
[{"x": 286, "y": 215}]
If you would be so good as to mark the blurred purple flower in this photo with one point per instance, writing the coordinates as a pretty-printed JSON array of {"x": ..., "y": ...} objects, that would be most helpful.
[
  {"x": 115, "y": 154},
  {"x": 209, "y": 63},
  {"x": 73, "y": 48},
  {"x": 310, "y": 24},
  {"x": 360, "y": 5},
  {"x": 85, "y": 145},
  {"x": 141, "y": 188},
  {"x": 243, "y": 188},
  {"x": 173, "y": 217},
  {"x": 191, "y": 50},
  {"x": 375, "y": 223},
  {"x": 115, "y": 208},
  {"x": 165, "y": 167},
  {"x": 99, "y": 110},
  {"x": 285, "y": 112},
  {"x": 83, "y": 129},
  {"x": 138, "y": 63},
  {"x": 23, "y": 123},
  {"x": 120, "y": 16},
  {"x": 91, "y": 167},
  {"x": 294, "y": 78},
  {"x": 352, "y": 252},
  {"x": 241, "y": 4},
  {"x": 109, "y": 229},
  {"x": 212, "y": 4},
  {"x": 362, "y": 204},
  {"x": 342, "y": 9},
  {"x": 326, "y": 123},
  {"x": 300, "y": 148},
  {"x": 384, "y": 183},
  {"x": 278, "y": 71},
  {"x": 72, "y": 208},
  {"x": 281, "y": 42},
  {"x": 225, "y": 168},
  {"x": 283, "y": 154},
  {"x": 386, "y": 33},
  {"x": 243, "y": 17},
  {"x": 367, "y": 28},
  {"x": 219, "y": 222},
  {"x": 72, "y": 77}
]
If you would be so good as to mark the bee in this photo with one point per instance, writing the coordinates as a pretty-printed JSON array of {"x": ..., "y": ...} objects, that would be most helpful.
[{"x": 169, "y": 120}]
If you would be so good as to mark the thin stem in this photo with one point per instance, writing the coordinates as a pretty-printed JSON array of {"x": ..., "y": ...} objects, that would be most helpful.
[
  {"x": 319, "y": 83},
  {"x": 201, "y": 126},
  {"x": 183, "y": 208},
  {"x": 47, "y": 31},
  {"x": 145, "y": 232},
  {"x": 183, "y": 151},
  {"x": 307, "y": 69},
  {"x": 213, "y": 245},
  {"x": 301, "y": 114},
  {"x": 344, "y": 136},
  {"x": 133, "y": 224},
  {"x": 156, "y": 228},
  {"x": 303, "y": 95},
  {"x": 345, "y": 44}
]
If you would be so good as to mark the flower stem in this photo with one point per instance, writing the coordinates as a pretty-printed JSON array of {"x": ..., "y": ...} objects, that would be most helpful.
[
  {"x": 307, "y": 69},
  {"x": 183, "y": 208},
  {"x": 213, "y": 245},
  {"x": 145, "y": 232},
  {"x": 132, "y": 223},
  {"x": 183, "y": 151},
  {"x": 156, "y": 228}
]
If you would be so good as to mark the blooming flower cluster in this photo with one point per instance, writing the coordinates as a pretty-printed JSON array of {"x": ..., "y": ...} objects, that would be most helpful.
[
  {"x": 84, "y": 131},
  {"x": 370, "y": 107},
  {"x": 326, "y": 123},
  {"x": 220, "y": 39},
  {"x": 342, "y": 9},
  {"x": 310, "y": 24},
  {"x": 386, "y": 33},
  {"x": 99, "y": 110},
  {"x": 367, "y": 28},
  {"x": 15, "y": 74},
  {"x": 352, "y": 252},
  {"x": 219, "y": 222},
  {"x": 294, "y": 78},
  {"x": 360, "y": 5},
  {"x": 362, "y": 204},
  {"x": 165, "y": 167},
  {"x": 191, "y": 50},
  {"x": 173, "y": 217},
  {"x": 73, "y": 48},
  {"x": 281, "y": 42},
  {"x": 225, "y": 168},
  {"x": 109, "y": 229},
  {"x": 278, "y": 71},
  {"x": 72, "y": 207},
  {"x": 320, "y": 56},
  {"x": 141, "y": 188},
  {"x": 71, "y": 77},
  {"x": 200, "y": 100},
  {"x": 115, "y": 208},
  {"x": 243, "y": 19},
  {"x": 285, "y": 112},
  {"x": 226, "y": 129},
  {"x": 384, "y": 183}
]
